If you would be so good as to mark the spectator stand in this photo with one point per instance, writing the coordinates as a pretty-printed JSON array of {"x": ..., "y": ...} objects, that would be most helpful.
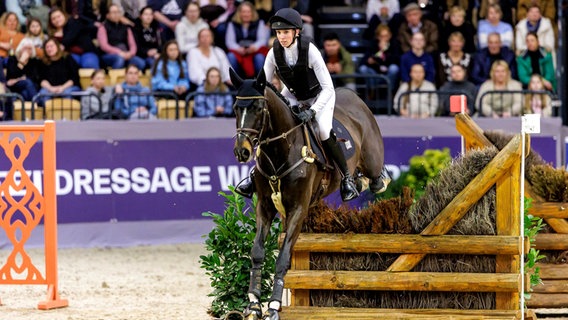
[
  {"x": 442, "y": 95},
  {"x": 167, "y": 104},
  {"x": 378, "y": 97},
  {"x": 190, "y": 100},
  {"x": 8, "y": 104}
]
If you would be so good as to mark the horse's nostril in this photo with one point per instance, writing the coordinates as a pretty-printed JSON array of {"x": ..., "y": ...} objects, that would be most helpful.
[{"x": 246, "y": 153}]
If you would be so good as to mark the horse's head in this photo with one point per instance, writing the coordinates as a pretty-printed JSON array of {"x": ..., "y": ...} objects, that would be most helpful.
[{"x": 251, "y": 113}]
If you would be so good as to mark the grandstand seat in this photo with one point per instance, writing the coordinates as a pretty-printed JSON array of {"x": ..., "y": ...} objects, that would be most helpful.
[
  {"x": 85, "y": 77},
  {"x": 342, "y": 14},
  {"x": 114, "y": 74},
  {"x": 350, "y": 35},
  {"x": 18, "y": 110},
  {"x": 62, "y": 109}
]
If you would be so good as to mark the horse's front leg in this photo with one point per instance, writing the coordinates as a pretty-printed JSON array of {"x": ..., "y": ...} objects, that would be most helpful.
[
  {"x": 293, "y": 227},
  {"x": 263, "y": 223}
]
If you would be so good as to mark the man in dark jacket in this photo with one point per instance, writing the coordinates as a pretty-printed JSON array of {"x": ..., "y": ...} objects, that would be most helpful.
[
  {"x": 414, "y": 23},
  {"x": 457, "y": 85},
  {"x": 485, "y": 57}
]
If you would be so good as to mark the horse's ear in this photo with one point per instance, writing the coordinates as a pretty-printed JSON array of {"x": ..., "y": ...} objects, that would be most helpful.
[
  {"x": 261, "y": 80},
  {"x": 235, "y": 79}
]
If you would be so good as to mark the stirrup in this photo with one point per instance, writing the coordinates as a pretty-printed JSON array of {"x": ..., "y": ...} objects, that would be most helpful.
[
  {"x": 245, "y": 188},
  {"x": 348, "y": 189}
]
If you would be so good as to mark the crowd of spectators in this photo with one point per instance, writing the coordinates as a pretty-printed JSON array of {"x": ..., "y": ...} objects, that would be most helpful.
[{"x": 465, "y": 46}]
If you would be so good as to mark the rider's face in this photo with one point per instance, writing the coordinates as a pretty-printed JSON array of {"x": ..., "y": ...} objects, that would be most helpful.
[{"x": 286, "y": 36}]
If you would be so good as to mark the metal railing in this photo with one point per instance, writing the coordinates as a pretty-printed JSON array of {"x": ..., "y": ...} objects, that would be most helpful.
[
  {"x": 378, "y": 97},
  {"x": 7, "y": 105},
  {"x": 162, "y": 100},
  {"x": 58, "y": 106},
  {"x": 441, "y": 107},
  {"x": 190, "y": 100},
  {"x": 495, "y": 107}
]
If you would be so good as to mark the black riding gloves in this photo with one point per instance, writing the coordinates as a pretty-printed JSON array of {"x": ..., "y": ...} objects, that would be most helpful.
[{"x": 306, "y": 115}]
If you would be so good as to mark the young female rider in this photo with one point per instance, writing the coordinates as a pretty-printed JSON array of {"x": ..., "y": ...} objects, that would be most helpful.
[{"x": 295, "y": 59}]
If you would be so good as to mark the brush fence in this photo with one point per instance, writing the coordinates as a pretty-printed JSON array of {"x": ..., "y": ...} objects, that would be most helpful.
[
  {"x": 504, "y": 173},
  {"x": 553, "y": 293}
]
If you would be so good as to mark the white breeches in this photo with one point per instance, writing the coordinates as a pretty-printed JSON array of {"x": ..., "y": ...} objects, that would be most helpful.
[{"x": 324, "y": 116}]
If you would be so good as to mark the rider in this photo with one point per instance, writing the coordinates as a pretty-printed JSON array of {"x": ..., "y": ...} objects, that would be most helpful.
[{"x": 300, "y": 66}]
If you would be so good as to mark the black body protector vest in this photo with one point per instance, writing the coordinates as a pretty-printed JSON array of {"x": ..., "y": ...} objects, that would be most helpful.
[{"x": 300, "y": 79}]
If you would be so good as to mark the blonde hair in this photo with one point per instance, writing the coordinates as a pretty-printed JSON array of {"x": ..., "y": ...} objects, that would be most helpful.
[
  {"x": 381, "y": 28},
  {"x": 29, "y": 23},
  {"x": 457, "y": 35},
  {"x": 500, "y": 63},
  {"x": 543, "y": 97},
  {"x": 5, "y": 16},
  {"x": 237, "y": 15},
  {"x": 457, "y": 10},
  {"x": 406, "y": 98}
]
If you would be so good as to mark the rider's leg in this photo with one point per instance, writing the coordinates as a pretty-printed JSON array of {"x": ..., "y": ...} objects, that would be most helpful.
[{"x": 348, "y": 188}]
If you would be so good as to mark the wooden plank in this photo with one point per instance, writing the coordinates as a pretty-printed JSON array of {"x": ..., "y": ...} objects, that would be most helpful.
[
  {"x": 551, "y": 241},
  {"x": 508, "y": 222},
  {"x": 472, "y": 133},
  {"x": 553, "y": 271},
  {"x": 400, "y": 281},
  {"x": 547, "y": 210},
  {"x": 459, "y": 206},
  {"x": 321, "y": 313},
  {"x": 300, "y": 261},
  {"x": 551, "y": 286},
  {"x": 559, "y": 225},
  {"x": 406, "y": 243},
  {"x": 548, "y": 300}
]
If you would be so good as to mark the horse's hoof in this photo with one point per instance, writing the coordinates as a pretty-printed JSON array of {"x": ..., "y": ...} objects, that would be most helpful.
[
  {"x": 271, "y": 314},
  {"x": 253, "y": 311}
]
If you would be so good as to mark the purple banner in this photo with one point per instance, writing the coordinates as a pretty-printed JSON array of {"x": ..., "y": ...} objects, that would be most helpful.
[{"x": 141, "y": 180}]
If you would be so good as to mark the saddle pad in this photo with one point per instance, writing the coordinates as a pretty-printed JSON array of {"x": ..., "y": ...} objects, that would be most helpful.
[{"x": 343, "y": 137}]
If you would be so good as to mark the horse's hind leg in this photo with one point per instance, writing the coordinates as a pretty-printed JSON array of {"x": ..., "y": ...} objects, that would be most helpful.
[
  {"x": 263, "y": 222},
  {"x": 372, "y": 164},
  {"x": 380, "y": 183}
]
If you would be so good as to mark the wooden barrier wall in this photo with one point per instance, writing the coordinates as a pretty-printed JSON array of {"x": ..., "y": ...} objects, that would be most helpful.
[
  {"x": 553, "y": 293},
  {"x": 19, "y": 215},
  {"x": 504, "y": 173}
]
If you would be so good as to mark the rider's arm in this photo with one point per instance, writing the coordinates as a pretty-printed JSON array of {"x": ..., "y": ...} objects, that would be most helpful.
[
  {"x": 327, "y": 91},
  {"x": 269, "y": 66}
]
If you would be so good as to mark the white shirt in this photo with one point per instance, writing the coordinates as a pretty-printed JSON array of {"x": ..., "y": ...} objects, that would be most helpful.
[
  {"x": 199, "y": 64},
  {"x": 186, "y": 33}
]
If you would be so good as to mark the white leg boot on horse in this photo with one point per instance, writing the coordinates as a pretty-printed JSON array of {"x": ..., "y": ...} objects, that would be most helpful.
[{"x": 348, "y": 188}]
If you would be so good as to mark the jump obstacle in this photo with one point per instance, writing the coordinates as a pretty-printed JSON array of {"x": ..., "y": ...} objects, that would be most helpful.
[
  {"x": 21, "y": 214},
  {"x": 504, "y": 173},
  {"x": 553, "y": 293}
]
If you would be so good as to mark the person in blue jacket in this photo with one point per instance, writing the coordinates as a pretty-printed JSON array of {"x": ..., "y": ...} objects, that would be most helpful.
[
  {"x": 170, "y": 72},
  {"x": 134, "y": 100},
  {"x": 213, "y": 105},
  {"x": 484, "y": 58}
]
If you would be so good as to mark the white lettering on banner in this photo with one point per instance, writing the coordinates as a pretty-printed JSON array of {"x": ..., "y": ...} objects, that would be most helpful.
[
  {"x": 181, "y": 179},
  {"x": 120, "y": 181},
  {"x": 65, "y": 177},
  {"x": 101, "y": 181},
  {"x": 160, "y": 179},
  {"x": 82, "y": 178},
  {"x": 200, "y": 177},
  {"x": 231, "y": 175},
  {"x": 140, "y": 180}
]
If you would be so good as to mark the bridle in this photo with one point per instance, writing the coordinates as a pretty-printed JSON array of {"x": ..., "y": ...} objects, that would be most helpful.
[{"x": 246, "y": 132}]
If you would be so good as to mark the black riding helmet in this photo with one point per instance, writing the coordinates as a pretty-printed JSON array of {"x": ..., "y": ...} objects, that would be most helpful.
[{"x": 286, "y": 18}]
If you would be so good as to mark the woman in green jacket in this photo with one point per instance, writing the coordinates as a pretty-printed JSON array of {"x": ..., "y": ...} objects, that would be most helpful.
[{"x": 536, "y": 60}]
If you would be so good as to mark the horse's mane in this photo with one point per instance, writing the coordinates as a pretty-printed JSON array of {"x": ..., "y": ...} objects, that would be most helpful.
[{"x": 278, "y": 94}]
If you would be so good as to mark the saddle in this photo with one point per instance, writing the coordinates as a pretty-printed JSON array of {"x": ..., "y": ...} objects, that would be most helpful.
[{"x": 314, "y": 144}]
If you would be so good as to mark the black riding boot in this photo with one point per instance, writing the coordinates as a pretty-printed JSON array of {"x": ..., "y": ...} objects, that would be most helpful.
[
  {"x": 348, "y": 188},
  {"x": 246, "y": 187}
]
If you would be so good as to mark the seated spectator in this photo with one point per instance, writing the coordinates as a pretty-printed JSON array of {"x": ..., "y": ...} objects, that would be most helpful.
[
  {"x": 168, "y": 13},
  {"x": 536, "y": 60},
  {"x": 247, "y": 40},
  {"x": 338, "y": 60},
  {"x": 219, "y": 25},
  {"x": 147, "y": 36},
  {"x": 98, "y": 105},
  {"x": 539, "y": 103},
  {"x": 536, "y": 23},
  {"x": 500, "y": 105},
  {"x": 188, "y": 28},
  {"x": 383, "y": 10},
  {"x": 75, "y": 37},
  {"x": 417, "y": 56},
  {"x": 484, "y": 59},
  {"x": 205, "y": 56},
  {"x": 10, "y": 36},
  {"x": 217, "y": 105},
  {"x": 383, "y": 58},
  {"x": 493, "y": 24},
  {"x": 59, "y": 73},
  {"x": 458, "y": 83},
  {"x": 547, "y": 7},
  {"x": 466, "y": 5},
  {"x": 170, "y": 71},
  {"x": 506, "y": 6},
  {"x": 414, "y": 23},
  {"x": 34, "y": 38},
  {"x": 136, "y": 102},
  {"x": 457, "y": 23},
  {"x": 415, "y": 104},
  {"x": 131, "y": 10},
  {"x": 211, "y": 10},
  {"x": 6, "y": 106},
  {"x": 27, "y": 9},
  {"x": 117, "y": 41},
  {"x": 22, "y": 73},
  {"x": 453, "y": 56}
]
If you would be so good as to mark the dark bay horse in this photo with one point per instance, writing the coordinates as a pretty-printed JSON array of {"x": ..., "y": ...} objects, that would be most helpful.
[{"x": 285, "y": 180}]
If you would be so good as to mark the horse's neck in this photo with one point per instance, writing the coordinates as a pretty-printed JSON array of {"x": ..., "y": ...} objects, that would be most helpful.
[{"x": 281, "y": 118}]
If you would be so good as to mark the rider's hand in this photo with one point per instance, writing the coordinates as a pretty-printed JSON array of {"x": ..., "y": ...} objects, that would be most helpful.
[{"x": 306, "y": 115}]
